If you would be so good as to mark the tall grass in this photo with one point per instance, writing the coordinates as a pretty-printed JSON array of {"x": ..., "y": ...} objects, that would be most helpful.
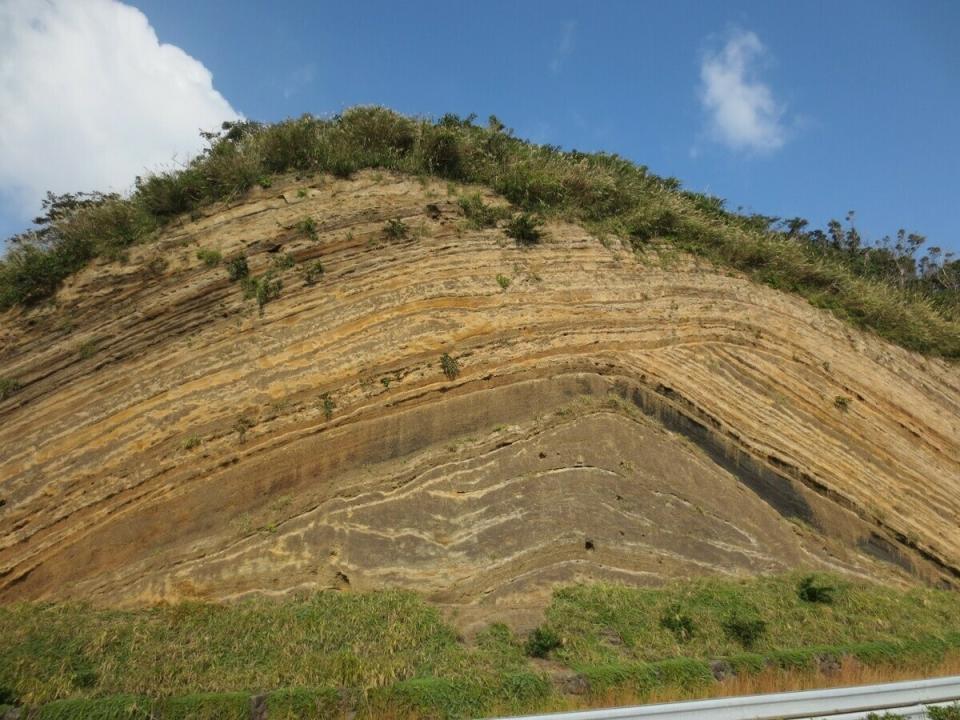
[
  {"x": 607, "y": 192},
  {"x": 394, "y": 646}
]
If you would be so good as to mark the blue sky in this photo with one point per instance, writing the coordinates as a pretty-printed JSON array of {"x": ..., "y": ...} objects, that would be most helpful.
[{"x": 784, "y": 108}]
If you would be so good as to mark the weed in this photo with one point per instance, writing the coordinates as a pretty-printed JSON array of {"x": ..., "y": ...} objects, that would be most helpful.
[
  {"x": 328, "y": 405},
  {"x": 283, "y": 261},
  {"x": 841, "y": 402},
  {"x": 677, "y": 622},
  {"x": 88, "y": 349},
  {"x": 210, "y": 258},
  {"x": 503, "y": 281},
  {"x": 9, "y": 386},
  {"x": 265, "y": 181},
  {"x": 395, "y": 229},
  {"x": 815, "y": 590},
  {"x": 302, "y": 193},
  {"x": 524, "y": 228},
  {"x": 541, "y": 642},
  {"x": 240, "y": 427},
  {"x": 308, "y": 226},
  {"x": 192, "y": 442},
  {"x": 312, "y": 272},
  {"x": 450, "y": 367},
  {"x": 237, "y": 268},
  {"x": 478, "y": 213},
  {"x": 745, "y": 626},
  {"x": 263, "y": 289}
]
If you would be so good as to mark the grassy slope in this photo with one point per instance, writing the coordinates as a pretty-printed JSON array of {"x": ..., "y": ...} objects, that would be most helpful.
[
  {"x": 390, "y": 652},
  {"x": 605, "y": 192}
]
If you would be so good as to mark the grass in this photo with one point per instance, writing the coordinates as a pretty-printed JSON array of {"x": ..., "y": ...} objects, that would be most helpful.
[
  {"x": 861, "y": 284},
  {"x": 8, "y": 387},
  {"x": 210, "y": 258},
  {"x": 389, "y": 654}
]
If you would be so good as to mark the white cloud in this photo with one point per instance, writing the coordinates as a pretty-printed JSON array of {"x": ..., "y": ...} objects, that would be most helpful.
[
  {"x": 742, "y": 111},
  {"x": 564, "y": 46},
  {"x": 89, "y": 98}
]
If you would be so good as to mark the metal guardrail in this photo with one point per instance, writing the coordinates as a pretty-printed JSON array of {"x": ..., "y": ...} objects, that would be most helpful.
[{"x": 907, "y": 699}]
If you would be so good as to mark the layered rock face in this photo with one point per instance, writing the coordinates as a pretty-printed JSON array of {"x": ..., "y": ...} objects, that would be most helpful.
[{"x": 614, "y": 416}]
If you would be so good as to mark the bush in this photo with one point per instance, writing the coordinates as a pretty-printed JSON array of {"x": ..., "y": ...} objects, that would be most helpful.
[
  {"x": 313, "y": 272},
  {"x": 262, "y": 289},
  {"x": 479, "y": 214},
  {"x": 813, "y": 590},
  {"x": 9, "y": 386},
  {"x": 677, "y": 622},
  {"x": 308, "y": 226},
  {"x": 450, "y": 367},
  {"x": 503, "y": 281},
  {"x": 744, "y": 626},
  {"x": 524, "y": 228},
  {"x": 395, "y": 229},
  {"x": 237, "y": 268},
  {"x": 541, "y": 642},
  {"x": 210, "y": 258}
]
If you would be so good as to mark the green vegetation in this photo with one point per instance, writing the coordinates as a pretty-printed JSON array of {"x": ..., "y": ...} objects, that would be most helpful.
[
  {"x": 240, "y": 427},
  {"x": 237, "y": 268},
  {"x": 503, "y": 281},
  {"x": 450, "y": 367},
  {"x": 312, "y": 272},
  {"x": 283, "y": 261},
  {"x": 389, "y": 652},
  {"x": 192, "y": 442},
  {"x": 9, "y": 386},
  {"x": 524, "y": 228},
  {"x": 263, "y": 289},
  {"x": 308, "y": 226},
  {"x": 328, "y": 405},
  {"x": 815, "y": 589},
  {"x": 395, "y": 229},
  {"x": 210, "y": 258},
  {"x": 479, "y": 214},
  {"x": 885, "y": 286}
]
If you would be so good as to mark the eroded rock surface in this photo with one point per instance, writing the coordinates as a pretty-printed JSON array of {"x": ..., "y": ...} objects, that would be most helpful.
[{"x": 620, "y": 417}]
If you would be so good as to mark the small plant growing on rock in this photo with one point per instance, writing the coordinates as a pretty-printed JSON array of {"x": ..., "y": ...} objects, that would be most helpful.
[
  {"x": 262, "y": 289},
  {"x": 478, "y": 213},
  {"x": 264, "y": 181},
  {"x": 541, "y": 642},
  {"x": 450, "y": 367},
  {"x": 8, "y": 386},
  {"x": 284, "y": 261},
  {"x": 395, "y": 229},
  {"x": 328, "y": 405},
  {"x": 240, "y": 427},
  {"x": 192, "y": 442},
  {"x": 308, "y": 226},
  {"x": 237, "y": 268},
  {"x": 841, "y": 403},
  {"x": 313, "y": 272},
  {"x": 525, "y": 229},
  {"x": 503, "y": 281},
  {"x": 210, "y": 258},
  {"x": 88, "y": 349}
]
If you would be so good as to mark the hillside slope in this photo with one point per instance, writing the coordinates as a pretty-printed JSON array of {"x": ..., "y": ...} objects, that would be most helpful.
[{"x": 613, "y": 416}]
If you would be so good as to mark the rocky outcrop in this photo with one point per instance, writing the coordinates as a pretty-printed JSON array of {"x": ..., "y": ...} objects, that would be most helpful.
[{"x": 621, "y": 416}]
